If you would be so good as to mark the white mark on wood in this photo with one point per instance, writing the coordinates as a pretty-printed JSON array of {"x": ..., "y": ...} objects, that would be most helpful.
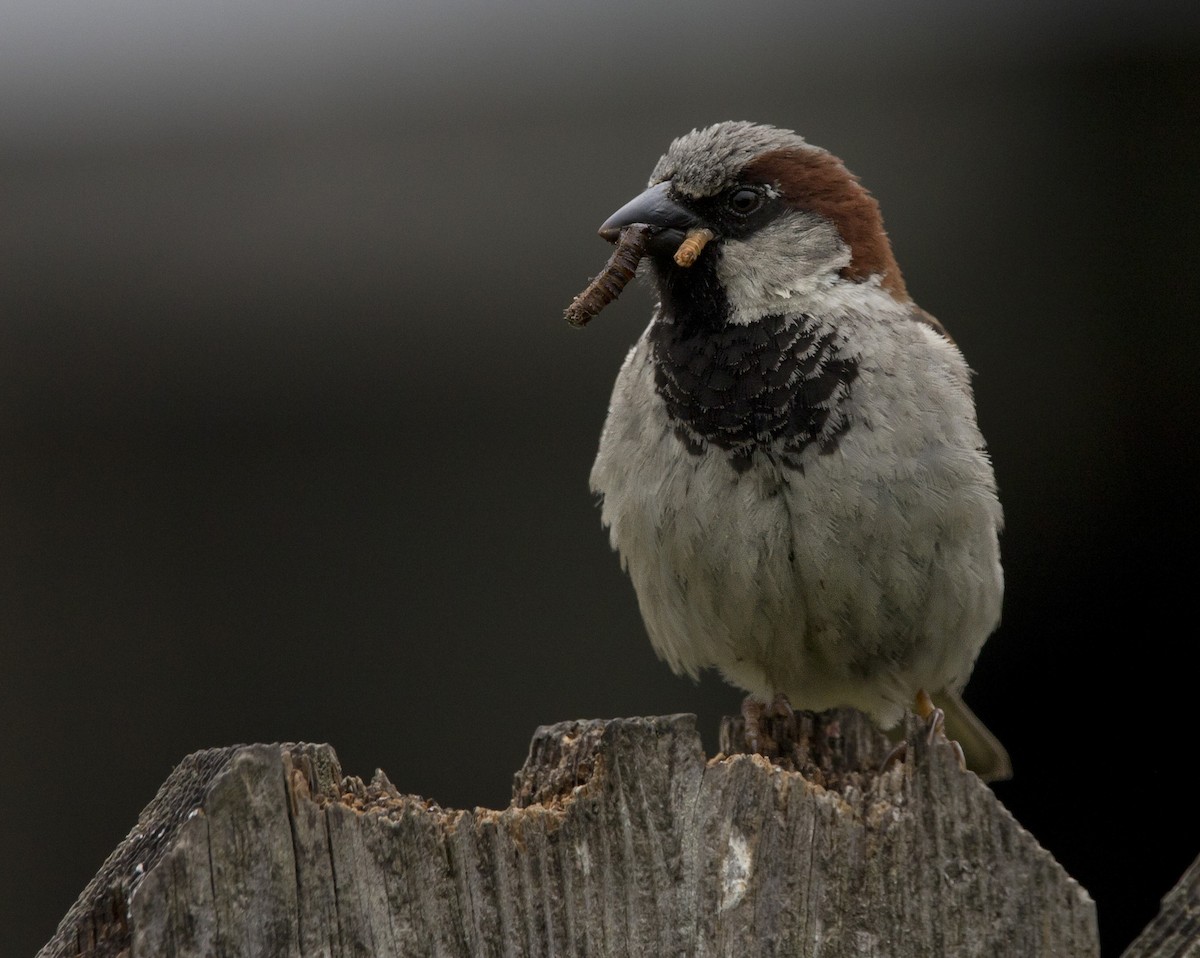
[
  {"x": 585, "y": 858},
  {"x": 735, "y": 871}
]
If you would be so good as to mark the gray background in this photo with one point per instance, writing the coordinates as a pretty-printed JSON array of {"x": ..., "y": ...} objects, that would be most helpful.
[{"x": 294, "y": 443}]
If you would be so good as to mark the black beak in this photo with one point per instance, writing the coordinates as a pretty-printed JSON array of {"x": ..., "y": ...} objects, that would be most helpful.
[{"x": 654, "y": 208}]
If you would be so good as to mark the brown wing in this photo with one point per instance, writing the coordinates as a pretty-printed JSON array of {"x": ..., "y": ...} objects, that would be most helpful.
[{"x": 923, "y": 317}]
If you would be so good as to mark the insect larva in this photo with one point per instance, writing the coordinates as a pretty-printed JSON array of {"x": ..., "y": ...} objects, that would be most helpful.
[
  {"x": 617, "y": 272},
  {"x": 691, "y": 246}
]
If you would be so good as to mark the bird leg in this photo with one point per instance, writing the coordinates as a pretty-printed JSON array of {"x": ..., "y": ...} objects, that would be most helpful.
[
  {"x": 935, "y": 721},
  {"x": 934, "y": 717},
  {"x": 762, "y": 732}
]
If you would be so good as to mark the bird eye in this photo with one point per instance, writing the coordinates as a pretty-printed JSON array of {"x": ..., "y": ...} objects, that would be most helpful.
[{"x": 745, "y": 201}]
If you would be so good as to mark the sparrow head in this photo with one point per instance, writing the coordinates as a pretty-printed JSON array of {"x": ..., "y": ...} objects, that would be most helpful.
[{"x": 788, "y": 219}]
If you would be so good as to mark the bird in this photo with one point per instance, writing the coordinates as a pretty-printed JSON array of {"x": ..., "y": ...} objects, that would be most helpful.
[{"x": 791, "y": 467}]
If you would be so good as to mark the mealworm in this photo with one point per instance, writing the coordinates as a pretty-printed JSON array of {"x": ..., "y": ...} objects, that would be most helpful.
[
  {"x": 691, "y": 246},
  {"x": 617, "y": 273}
]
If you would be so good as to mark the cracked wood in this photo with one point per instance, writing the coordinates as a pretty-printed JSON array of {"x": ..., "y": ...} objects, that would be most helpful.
[{"x": 622, "y": 839}]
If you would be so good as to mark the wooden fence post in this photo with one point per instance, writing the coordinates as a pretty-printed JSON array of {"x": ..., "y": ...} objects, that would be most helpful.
[{"x": 622, "y": 839}]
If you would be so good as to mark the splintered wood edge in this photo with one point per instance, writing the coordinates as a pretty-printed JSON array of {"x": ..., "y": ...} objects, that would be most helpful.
[{"x": 263, "y": 841}]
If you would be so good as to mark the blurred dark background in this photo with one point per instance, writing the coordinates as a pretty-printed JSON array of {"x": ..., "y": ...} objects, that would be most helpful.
[{"x": 294, "y": 443}]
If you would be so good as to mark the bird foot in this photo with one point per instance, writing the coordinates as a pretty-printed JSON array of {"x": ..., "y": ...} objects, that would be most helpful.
[
  {"x": 758, "y": 715},
  {"x": 898, "y": 754},
  {"x": 935, "y": 723}
]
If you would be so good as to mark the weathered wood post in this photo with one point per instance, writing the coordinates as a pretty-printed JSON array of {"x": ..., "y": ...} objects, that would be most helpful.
[{"x": 621, "y": 839}]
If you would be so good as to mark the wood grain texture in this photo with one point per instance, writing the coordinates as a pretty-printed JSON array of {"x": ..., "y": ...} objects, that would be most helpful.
[
  {"x": 1175, "y": 931},
  {"x": 622, "y": 839}
]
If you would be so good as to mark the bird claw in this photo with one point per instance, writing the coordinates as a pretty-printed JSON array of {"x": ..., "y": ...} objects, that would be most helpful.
[
  {"x": 781, "y": 708},
  {"x": 898, "y": 754},
  {"x": 935, "y": 723},
  {"x": 756, "y": 715},
  {"x": 752, "y": 715},
  {"x": 958, "y": 753}
]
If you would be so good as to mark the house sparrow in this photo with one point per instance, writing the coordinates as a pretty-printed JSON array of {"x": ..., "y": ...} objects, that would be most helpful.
[{"x": 791, "y": 468}]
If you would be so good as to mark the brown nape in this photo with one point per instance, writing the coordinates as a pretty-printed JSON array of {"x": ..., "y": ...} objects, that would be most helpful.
[{"x": 817, "y": 182}]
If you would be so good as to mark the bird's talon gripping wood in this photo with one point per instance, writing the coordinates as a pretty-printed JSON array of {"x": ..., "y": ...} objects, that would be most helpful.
[
  {"x": 615, "y": 276},
  {"x": 692, "y": 245}
]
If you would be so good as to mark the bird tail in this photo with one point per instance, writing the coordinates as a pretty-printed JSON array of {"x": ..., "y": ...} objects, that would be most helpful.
[{"x": 985, "y": 756}]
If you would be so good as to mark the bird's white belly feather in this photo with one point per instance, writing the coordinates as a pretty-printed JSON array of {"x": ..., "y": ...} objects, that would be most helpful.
[{"x": 870, "y": 573}]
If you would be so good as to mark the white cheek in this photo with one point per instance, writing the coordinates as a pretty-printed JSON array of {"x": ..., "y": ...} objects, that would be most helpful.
[{"x": 793, "y": 256}]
